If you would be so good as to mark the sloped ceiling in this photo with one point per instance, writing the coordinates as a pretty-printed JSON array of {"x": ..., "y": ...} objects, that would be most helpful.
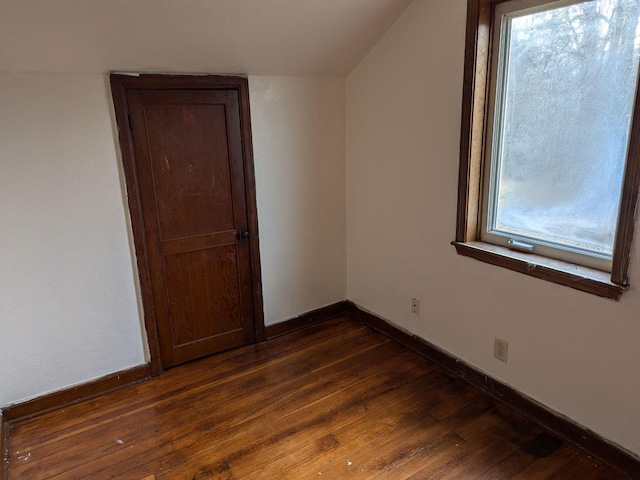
[{"x": 275, "y": 37}]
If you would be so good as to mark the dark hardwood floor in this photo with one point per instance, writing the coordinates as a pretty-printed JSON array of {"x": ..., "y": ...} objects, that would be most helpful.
[{"x": 333, "y": 401}]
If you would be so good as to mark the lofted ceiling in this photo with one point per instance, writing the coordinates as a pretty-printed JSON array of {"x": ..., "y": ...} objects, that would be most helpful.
[{"x": 274, "y": 37}]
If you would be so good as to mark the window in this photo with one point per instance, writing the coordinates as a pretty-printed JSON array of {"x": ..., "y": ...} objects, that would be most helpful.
[{"x": 549, "y": 159}]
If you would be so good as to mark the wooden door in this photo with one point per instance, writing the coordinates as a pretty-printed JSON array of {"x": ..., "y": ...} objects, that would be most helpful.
[{"x": 191, "y": 179}]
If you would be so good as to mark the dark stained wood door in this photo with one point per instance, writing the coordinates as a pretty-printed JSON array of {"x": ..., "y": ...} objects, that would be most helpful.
[{"x": 189, "y": 161}]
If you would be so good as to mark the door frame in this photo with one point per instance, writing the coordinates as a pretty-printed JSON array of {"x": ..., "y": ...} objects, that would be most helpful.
[{"x": 120, "y": 83}]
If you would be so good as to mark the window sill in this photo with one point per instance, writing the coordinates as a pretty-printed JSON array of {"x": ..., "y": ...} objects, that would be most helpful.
[{"x": 581, "y": 278}]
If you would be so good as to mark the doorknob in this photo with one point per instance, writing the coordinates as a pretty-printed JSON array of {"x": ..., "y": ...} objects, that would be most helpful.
[{"x": 244, "y": 233}]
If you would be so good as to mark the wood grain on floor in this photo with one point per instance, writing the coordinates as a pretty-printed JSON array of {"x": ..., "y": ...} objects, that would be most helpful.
[{"x": 333, "y": 401}]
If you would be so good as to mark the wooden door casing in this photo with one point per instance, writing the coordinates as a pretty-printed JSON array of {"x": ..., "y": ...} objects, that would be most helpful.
[{"x": 184, "y": 250}]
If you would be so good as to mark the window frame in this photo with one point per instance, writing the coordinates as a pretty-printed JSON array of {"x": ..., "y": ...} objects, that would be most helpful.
[{"x": 474, "y": 129}]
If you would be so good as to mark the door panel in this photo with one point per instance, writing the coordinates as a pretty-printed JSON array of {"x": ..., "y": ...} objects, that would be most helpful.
[
  {"x": 192, "y": 192},
  {"x": 203, "y": 284},
  {"x": 188, "y": 151}
]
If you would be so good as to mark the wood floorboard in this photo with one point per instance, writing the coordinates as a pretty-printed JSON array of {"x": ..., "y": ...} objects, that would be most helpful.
[
  {"x": 227, "y": 366},
  {"x": 538, "y": 468},
  {"x": 180, "y": 437},
  {"x": 173, "y": 425},
  {"x": 391, "y": 417},
  {"x": 509, "y": 467},
  {"x": 320, "y": 437},
  {"x": 304, "y": 418},
  {"x": 335, "y": 400}
]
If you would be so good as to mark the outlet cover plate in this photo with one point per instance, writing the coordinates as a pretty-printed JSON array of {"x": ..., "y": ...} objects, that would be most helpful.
[
  {"x": 501, "y": 349},
  {"x": 415, "y": 305}
]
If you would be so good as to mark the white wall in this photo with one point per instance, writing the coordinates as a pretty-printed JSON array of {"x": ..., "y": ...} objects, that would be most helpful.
[
  {"x": 68, "y": 309},
  {"x": 299, "y": 151},
  {"x": 575, "y": 352},
  {"x": 68, "y": 300}
]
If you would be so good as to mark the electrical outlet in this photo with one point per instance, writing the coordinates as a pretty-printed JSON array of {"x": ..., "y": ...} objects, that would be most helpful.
[
  {"x": 501, "y": 349},
  {"x": 415, "y": 305}
]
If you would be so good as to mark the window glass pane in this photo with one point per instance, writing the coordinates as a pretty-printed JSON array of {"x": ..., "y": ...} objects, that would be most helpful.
[{"x": 563, "y": 125}]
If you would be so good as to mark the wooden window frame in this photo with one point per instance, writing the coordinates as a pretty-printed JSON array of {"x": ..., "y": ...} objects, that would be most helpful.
[{"x": 478, "y": 46}]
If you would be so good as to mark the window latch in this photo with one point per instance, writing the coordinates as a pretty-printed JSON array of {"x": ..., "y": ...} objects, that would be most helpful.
[{"x": 520, "y": 246}]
